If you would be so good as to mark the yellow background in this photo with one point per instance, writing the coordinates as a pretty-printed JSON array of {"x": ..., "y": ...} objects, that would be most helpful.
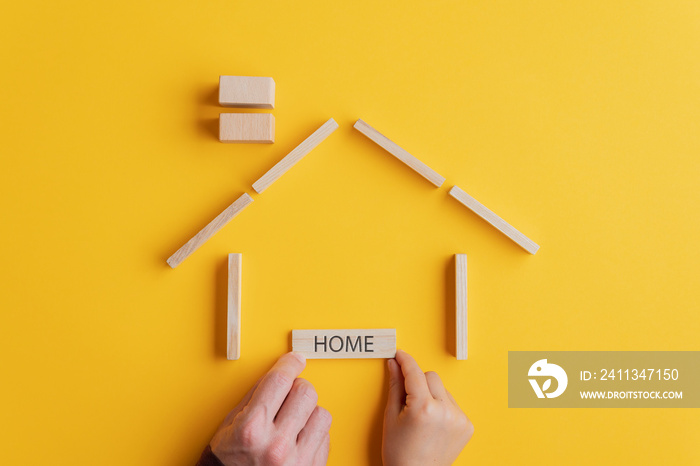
[{"x": 577, "y": 122}]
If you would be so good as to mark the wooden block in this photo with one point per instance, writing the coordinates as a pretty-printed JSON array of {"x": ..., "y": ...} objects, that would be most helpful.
[
  {"x": 345, "y": 344},
  {"x": 391, "y": 147},
  {"x": 208, "y": 231},
  {"x": 233, "y": 320},
  {"x": 295, "y": 155},
  {"x": 247, "y": 127},
  {"x": 503, "y": 226},
  {"x": 461, "y": 304},
  {"x": 246, "y": 91}
]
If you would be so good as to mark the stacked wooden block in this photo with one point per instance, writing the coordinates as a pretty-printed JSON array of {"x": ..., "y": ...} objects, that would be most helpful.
[{"x": 247, "y": 92}]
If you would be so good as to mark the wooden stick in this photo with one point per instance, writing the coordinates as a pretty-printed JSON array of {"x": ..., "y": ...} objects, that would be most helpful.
[
  {"x": 345, "y": 344},
  {"x": 246, "y": 91},
  {"x": 295, "y": 155},
  {"x": 208, "y": 231},
  {"x": 461, "y": 304},
  {"x": 503, "y": 226},
  {"x": 247, "y": 128},
  {"x": 393, "y": 148},
  {"x": 233, "y": 321}
]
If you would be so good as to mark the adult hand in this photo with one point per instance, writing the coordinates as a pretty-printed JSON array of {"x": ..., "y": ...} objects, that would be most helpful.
[
  {"x": 277, "y": 422},
  {"x": 422, "y": 424}
]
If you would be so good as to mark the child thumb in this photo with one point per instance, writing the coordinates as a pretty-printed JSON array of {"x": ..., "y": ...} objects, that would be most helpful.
[{"x": 397, "y": 392}]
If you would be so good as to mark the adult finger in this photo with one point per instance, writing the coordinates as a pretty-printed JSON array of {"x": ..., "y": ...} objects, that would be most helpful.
[
  {"x": 397, "y": 392},
  {"x": 297, "y": 408},
  {"x": 322, "y": 453},
  {"x": 275, "y": 385},
  {"x": 435, "y": 385},
  {"x": 415, "y": 383},
  {"x": 314, "y": 433},
  {"x": 241, "y": 404}
]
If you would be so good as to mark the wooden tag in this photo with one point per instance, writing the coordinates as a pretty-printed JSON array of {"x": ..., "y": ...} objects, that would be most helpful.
[{"x": 345, "y": 344}]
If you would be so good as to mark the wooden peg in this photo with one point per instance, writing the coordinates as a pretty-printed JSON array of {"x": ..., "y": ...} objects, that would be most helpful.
[
  {"x": 394, "y": 149},
  {"x": 208, "y": 231},
  {"x": 461, "y": 304},
  {"x": 295, "y": 155},
  {"x": 246, "y": 91},
  {"x": 247, "y": 127},
  {"x": 345, "y": 344},
  {"x": 500, "y": 224},
  {"x": 233, "y": 320}
]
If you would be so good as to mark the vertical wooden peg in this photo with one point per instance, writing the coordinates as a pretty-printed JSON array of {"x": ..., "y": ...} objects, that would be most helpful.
[
  {"x": 233, "y": 324},
  {"x": 461, "y": 304}
]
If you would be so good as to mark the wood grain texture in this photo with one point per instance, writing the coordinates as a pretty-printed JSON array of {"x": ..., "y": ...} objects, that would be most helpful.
[
  {"x": 295, "y": 155},
  {"x": 461, "y": 305},
  {"x": 345, "y": 343},
  {"x": 247, "y": 128},
  {"x": 208, "y": 231},
  {"x": 246, "y": 91},
  {"x": 500, "y": 224},
  {"x": 394, "y": 149},
  {"x": 233, "y": 318}
]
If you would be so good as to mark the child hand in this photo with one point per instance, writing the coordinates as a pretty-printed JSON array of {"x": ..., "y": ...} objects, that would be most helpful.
[{"x": 423, "y": 425}]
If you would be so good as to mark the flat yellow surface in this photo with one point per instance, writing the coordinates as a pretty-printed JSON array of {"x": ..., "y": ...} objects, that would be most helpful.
[{"x": 577, "y": 122}]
